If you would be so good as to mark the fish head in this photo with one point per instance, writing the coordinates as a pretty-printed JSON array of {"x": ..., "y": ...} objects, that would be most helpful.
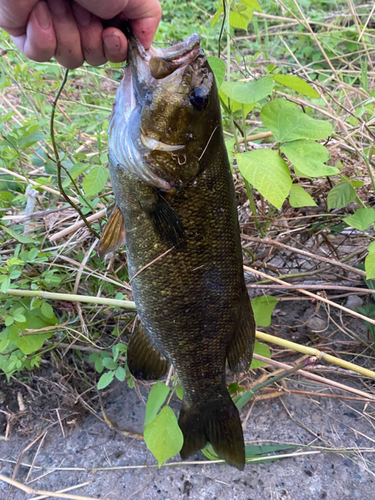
[{"x": 166, "y": 113}]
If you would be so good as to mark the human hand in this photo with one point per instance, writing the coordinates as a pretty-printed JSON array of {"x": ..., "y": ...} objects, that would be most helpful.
[{"x": 73, "y": 32}]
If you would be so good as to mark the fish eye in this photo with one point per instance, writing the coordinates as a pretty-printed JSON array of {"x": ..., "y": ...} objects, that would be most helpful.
[{"x": 199, "y": 98}]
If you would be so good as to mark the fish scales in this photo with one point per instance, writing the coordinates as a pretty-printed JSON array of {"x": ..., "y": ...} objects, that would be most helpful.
[{"x": 183, "y": 245}]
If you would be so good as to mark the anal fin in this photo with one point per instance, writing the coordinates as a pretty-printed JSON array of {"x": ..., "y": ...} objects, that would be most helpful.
[
  {"x": 144, "y": 360},
  {"x": 241, "y": 349},
  {"x": 114, "y": 233}
]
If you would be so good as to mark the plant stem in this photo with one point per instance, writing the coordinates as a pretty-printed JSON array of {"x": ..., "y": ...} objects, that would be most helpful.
[
  {"x": 58, "y": 163},
  {"x": 315, "y": 352},
  {"x": 246, "y": 396},
  {"x": 126, "y": 304}
]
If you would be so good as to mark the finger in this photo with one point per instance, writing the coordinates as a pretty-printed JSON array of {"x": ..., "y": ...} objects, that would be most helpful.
[
  {"x": 68, "y": 49},
  {"x": 90, "y": 30},
  {"x": 39, "y": 42},
  {"x": 145, "y": 16},
  {"x": 105, "y": 10},
  {"x": 14, "y": 15},
  {"x": 115, "y": 45}
]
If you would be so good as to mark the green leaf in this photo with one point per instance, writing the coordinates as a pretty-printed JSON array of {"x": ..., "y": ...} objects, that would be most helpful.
[
  {"x": 163, "y": 436},
  {"x": 248, "y": 92},
  {"x": 340, "y": 195},
  {"x": 180, "y": 392},
  {"x": 262, "y": 308},
  {"x": 308, "y": 157},
  {"x": 30, "y": 139},
  {"x": 105, "y": 380},
  {"x": 156, "y": 399},
  {"x": 95, "y": 180},
  {"x": 217, "y": 14},
  {"x": 361, "y": 219},
  {"x": 109, "y": 363},
  {"x": 267, "y": 172},
  {"x": 47, "y": 310},
  {"x": 296, "y": 83},
  {"x": 241, "y": 19},
  {"x": 288, "y": 123},
  {"x": 262, "y": 350},
  {"x": 300, "y": 198},
  {"x": 5, "y": 283},
  {"x": 77, "y": 169},
  {"x": 120, "y": 373},
  {"x": 27, "y": 343},
  {"x": 218, "y": 67},
  {"x": 370, "y": 262},
  {"x": 116, "y": 349},
  {"x": 252, "y": 3},
  {"x": 17, "y": 236}
]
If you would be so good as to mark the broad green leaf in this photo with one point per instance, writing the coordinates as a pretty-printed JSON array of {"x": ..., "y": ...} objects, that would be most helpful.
[
  {"x": 288, "y": 123},
  {"x": 217, "y": 14},
  {"x": 95, "y": 180},
  {"x": 17, "y": 236},
  {"x": 262, "y": 350},
  {"x": 180, "y": 392},
  {"x": 120, "y": 373},
  {"x": 300, "y": 198},
  {"x": 252, "y": 3},
  {"x": 156, "y": 398},
  {"x": 117, "y": 348},
  {"x": 5, "y": 283},
  {"x": 105, "y": 380},
  {"x": 47, "y": 310},
  {"x": 248, "y": 92},
  {"x": 241, "y": 18},
  {"x": 361, "y": 219},
  {"x": 218, "y": 67},
  {"x": 370, "y": 262},
  {"x": 27, "y": 343},
  {"x": 31, "y": 139},
  {"x": 262, "y": 308},
  {"x": 236, "y": 106},
  {"x": 163, "y": 436},
  {"x": 77, "y": 169},
  {"x": 296, "y": 83},
  {"x": 109, "y": 363},
  {"x": 267, "y": 172},
  {"x": 308, "y": 158},
  {"x": 340, "y": 195}
]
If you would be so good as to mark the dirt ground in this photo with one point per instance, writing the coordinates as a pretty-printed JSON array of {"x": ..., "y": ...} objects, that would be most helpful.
[{"x": 334, "y": 438}]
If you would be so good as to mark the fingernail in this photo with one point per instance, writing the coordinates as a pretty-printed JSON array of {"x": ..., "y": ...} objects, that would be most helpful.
[
  {"x": 112, "y": 44},
  {"x": 82, "y": 16},
  {"x": 43, "y": 15}
]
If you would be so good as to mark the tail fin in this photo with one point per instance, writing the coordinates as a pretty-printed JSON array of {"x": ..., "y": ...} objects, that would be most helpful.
[{"x": 216, "y": 421}]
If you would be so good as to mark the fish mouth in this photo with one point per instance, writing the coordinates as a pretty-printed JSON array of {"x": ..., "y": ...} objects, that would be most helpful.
[
  {"x": 158, "y": 64},
  {"x": 147, "y": 70}
]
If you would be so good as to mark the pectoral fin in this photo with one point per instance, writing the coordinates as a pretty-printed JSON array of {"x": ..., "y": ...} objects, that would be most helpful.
[
  {"x": 114, "y": 233},
  {"x": 164, "y": 219},
  {"x": 144, "y": 360},
  {"x": 240, "y": 351}
]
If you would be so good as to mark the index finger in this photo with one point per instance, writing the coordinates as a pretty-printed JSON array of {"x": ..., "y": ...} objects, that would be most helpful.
[{"x": 14, "y": 15}]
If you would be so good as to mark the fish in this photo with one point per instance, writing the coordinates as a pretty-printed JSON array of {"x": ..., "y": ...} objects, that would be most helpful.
[{"x": 176, "y": 211}]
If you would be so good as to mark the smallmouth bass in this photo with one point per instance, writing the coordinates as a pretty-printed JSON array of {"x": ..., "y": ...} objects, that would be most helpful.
[{"x": 175, "y": 198}]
